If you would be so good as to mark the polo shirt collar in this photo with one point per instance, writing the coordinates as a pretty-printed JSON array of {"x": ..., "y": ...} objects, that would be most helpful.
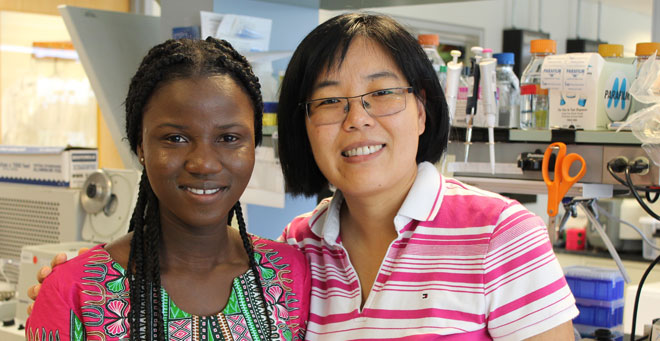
[
  {"x": 422, "y": 204},
  {"x": 425, "y": 196}
]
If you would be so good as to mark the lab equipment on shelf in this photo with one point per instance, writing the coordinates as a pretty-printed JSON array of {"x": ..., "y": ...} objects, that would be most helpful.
[
  {"x": 488, "y": 82},
  {"x": 472, "y": 101},
  {"x": 454, "y": 68}
]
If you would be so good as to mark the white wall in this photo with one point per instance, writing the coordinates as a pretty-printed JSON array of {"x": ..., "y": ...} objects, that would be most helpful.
[{"x": 618, "y": 25}]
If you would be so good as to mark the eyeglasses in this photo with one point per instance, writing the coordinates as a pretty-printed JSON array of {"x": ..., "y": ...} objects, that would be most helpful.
[{"x": 379, "y": 103}]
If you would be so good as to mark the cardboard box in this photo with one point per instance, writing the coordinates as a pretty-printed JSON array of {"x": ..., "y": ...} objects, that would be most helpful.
[
  {"x": 586, "y": 91},
  {"x": 51, "y": 166}
]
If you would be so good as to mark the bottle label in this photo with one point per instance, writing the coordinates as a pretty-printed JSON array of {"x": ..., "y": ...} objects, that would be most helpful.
[
  {"x": 532, "y": 89},
  {"x": 528, "y": 89}
]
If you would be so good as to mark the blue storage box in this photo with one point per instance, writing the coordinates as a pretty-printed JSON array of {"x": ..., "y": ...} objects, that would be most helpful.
[
  {"x": 600, "y": 314},
  {"x": 594, "y": 283}
]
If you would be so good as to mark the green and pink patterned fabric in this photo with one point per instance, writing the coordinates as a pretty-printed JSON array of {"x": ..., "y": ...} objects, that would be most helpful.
[{"x": 87, "y": 298}]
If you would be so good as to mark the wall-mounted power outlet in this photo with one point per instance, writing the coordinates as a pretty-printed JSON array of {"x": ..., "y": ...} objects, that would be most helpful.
[{"x": 650, "y": 177}]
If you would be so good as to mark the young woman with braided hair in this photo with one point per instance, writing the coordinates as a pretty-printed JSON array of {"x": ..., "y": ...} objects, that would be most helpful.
[{"x": 193, "y": 118}]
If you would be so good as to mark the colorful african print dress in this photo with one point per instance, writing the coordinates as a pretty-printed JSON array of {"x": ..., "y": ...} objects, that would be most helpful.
[{"x": 87, "y": 298}]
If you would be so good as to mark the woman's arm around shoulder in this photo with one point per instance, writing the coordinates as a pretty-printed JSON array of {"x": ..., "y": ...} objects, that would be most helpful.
[{"x": 55, "y": 315}]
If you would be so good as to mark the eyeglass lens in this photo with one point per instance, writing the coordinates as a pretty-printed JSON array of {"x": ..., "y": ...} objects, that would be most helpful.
[{"x": 377, "y": 103}]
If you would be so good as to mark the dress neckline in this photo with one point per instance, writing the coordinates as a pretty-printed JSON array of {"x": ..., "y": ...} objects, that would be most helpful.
[{"x": 248, "y": 274}]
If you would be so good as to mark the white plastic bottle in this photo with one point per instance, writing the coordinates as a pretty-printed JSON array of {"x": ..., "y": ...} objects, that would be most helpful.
[
  {"x": 508, "y": 89},
  {"x": 430, "y": 43},
  {"x": 533, "y": 98}
]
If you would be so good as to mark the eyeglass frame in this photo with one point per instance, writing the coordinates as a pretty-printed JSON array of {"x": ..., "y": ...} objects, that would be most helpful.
[{"x": 305, "y": 104}]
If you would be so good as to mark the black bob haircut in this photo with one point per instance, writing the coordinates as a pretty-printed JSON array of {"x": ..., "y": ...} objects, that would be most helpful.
[{"x": 327, "y": 45}]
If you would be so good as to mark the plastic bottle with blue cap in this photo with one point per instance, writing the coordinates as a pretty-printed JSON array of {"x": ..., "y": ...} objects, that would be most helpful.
[{"x": 508, "y": 89}]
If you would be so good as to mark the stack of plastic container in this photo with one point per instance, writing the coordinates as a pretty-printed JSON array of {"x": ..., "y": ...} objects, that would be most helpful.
[{"x": 599, "y": 298}]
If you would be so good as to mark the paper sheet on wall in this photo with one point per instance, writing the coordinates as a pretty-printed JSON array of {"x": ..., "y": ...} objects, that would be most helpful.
[{"x": 245, "y": 33}]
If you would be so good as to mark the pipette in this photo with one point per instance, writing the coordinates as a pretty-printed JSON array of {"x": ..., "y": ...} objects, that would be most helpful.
[
  {"x": 488, "y": 80},
  {"x": 471, "y": 107},
  {"x": 454, "y": 69}
]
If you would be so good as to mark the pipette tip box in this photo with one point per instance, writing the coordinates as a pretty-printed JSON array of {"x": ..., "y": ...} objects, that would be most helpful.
[{"x": 594, "y": 283}]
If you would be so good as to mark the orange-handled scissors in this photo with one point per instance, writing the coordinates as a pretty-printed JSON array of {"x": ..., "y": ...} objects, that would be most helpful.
[{"x": 562, "y": 181}]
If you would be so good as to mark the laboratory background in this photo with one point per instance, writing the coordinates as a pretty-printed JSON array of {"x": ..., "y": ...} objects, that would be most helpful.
[{"x": 555, "y": 103}]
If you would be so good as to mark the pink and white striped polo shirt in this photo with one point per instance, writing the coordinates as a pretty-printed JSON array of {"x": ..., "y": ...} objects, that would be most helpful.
[{"x": 467, "y": 264}]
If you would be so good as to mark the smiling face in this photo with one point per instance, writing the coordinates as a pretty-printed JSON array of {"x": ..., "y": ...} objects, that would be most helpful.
[
  {"x": 365, "y": 155},
  {"x": 198, "y": 148}
]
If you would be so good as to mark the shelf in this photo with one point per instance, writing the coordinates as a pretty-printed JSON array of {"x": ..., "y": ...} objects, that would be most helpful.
[
  {"x": 608, "y": 137},
  {"x": 498, "y": 185},
  {"x": 581, "y": 136}
]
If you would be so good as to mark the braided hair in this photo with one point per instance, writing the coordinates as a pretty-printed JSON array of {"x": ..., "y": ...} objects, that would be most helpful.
[{"x": 166, "y": 62}]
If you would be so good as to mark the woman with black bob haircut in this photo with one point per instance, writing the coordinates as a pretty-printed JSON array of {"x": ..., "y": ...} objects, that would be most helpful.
[
  {"x": 327, "y": 45},
  {"x": 399, "y": 251}
]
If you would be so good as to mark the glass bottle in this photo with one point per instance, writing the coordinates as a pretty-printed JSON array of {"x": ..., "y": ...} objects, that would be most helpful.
[
  {"x": 430, "y": 44},
  {"x": 534, "y": 98},
  {"x": 643, "y": 51}
]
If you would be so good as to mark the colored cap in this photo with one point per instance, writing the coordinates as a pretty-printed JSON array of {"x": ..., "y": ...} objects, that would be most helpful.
[
  {"x": 270, "y": 107},
  {"x": 647, "y": 49},
  {"x": 543, "y": 46},
  {"x": 610, "y": 50},
  {"x": 428, "y": 39},
  {"x": 505, "y": 58}
]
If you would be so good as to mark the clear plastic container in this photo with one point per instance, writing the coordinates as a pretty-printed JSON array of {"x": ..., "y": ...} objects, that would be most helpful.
[
  {"x": 594, "y": 283},
  {"x": 534, "y": 99},
  {"x": 508, "y": 89}
]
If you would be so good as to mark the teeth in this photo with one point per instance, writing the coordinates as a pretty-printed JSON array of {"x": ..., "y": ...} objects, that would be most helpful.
[
  {"x": 366, "y": 150},
  {"x": 199, "y": 191}
]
